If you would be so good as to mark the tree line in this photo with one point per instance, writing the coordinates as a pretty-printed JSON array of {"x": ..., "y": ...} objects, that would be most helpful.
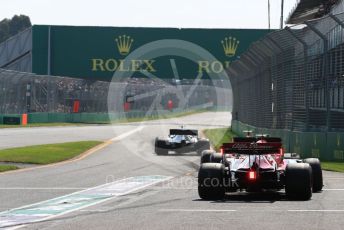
[{"x": 10, "y": 27}]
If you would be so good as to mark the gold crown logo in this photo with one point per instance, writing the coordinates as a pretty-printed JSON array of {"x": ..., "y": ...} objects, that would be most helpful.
[
  {"x": 124, "y": 43},
  {"x": 230, "y": 46}
]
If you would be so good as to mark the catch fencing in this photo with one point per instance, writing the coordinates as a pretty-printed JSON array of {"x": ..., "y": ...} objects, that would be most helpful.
[
  {"x": 292, "y": 80},
  {"x": 53, "y": 98}
]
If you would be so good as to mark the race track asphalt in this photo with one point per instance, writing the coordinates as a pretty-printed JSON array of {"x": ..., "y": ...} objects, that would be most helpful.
[{"x": 172, "y": 204}]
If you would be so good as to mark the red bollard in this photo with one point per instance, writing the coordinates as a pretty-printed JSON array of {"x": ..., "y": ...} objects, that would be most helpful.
[{"x": 170, "y": 104}]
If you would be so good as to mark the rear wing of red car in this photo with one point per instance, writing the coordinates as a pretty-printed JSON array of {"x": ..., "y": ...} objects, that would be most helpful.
[
  {"x": 255, "y": 139},
  {"x": 252, "y": 148},
  {"x": 191, "y": 132}
]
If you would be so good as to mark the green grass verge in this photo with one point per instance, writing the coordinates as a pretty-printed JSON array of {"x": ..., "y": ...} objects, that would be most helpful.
[
  {"x": 46, "y": 154},
  {"x": 219, "y": 136},
  {"x": 333, "y": 166},
  {"x": 4, "y": 168}
]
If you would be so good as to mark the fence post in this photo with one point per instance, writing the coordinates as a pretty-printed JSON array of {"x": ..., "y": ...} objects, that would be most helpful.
[
  {"x": 233, "y": 80},
  {"x": 274, "y": 58},
  {"x": 324, "y": 72},
  {"x": 337, "y": 20},
  {"x": 260, "y": 52},
  {"x": 305, "y": 59}
]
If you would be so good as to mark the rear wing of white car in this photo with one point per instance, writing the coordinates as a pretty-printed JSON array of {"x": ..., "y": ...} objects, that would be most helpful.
[{"x": 191, "y": 132}]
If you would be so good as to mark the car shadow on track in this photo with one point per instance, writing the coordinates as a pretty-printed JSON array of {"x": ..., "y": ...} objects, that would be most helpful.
[
  {"x": 265, "y": 197},
  {"x": 262, "y": 197},
  {"x": 244, "y": 197}
]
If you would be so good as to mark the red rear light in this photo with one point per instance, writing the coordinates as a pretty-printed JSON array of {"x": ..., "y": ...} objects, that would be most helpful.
[
  {"x": 281, "y": 151},
  {"x": 252, "y": 175}
]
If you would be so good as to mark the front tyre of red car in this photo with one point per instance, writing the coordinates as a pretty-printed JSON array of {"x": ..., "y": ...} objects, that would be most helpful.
[
  {"x": 316, "y": 173},
  {"x": 298, "y": 181},
  {"x": 205, "y": 156},
  {"x": 211, "y": 181},
  {"x": 216, "y": 158}
]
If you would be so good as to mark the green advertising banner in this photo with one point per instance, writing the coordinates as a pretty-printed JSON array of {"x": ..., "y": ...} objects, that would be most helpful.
[{"x": 97, "y": 52}]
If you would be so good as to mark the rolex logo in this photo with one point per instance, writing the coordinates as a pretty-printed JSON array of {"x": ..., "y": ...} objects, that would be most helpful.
[
  {"x": 230, "y": 46},
  {"x": 124, "y": 43}
]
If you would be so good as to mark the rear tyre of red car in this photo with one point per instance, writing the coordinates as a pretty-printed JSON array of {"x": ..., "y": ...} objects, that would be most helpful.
[
  {"x": 316, "y": 173},
  {"x": 211, "y": 181},
  {"x": 298, "y": 184}
]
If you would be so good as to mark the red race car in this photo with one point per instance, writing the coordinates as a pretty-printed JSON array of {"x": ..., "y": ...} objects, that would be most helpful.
[{"x": 257, "y": 164}]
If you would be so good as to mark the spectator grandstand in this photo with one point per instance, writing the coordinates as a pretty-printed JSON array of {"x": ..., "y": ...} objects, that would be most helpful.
[{"x": 311, "y": 9}]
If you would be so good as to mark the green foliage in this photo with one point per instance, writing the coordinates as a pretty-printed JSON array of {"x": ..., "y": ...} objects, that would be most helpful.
[
  {"x": 10, "y": 27},
  {"x": 219, "y": 136},
  {"x": 4, "y": 168}
]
